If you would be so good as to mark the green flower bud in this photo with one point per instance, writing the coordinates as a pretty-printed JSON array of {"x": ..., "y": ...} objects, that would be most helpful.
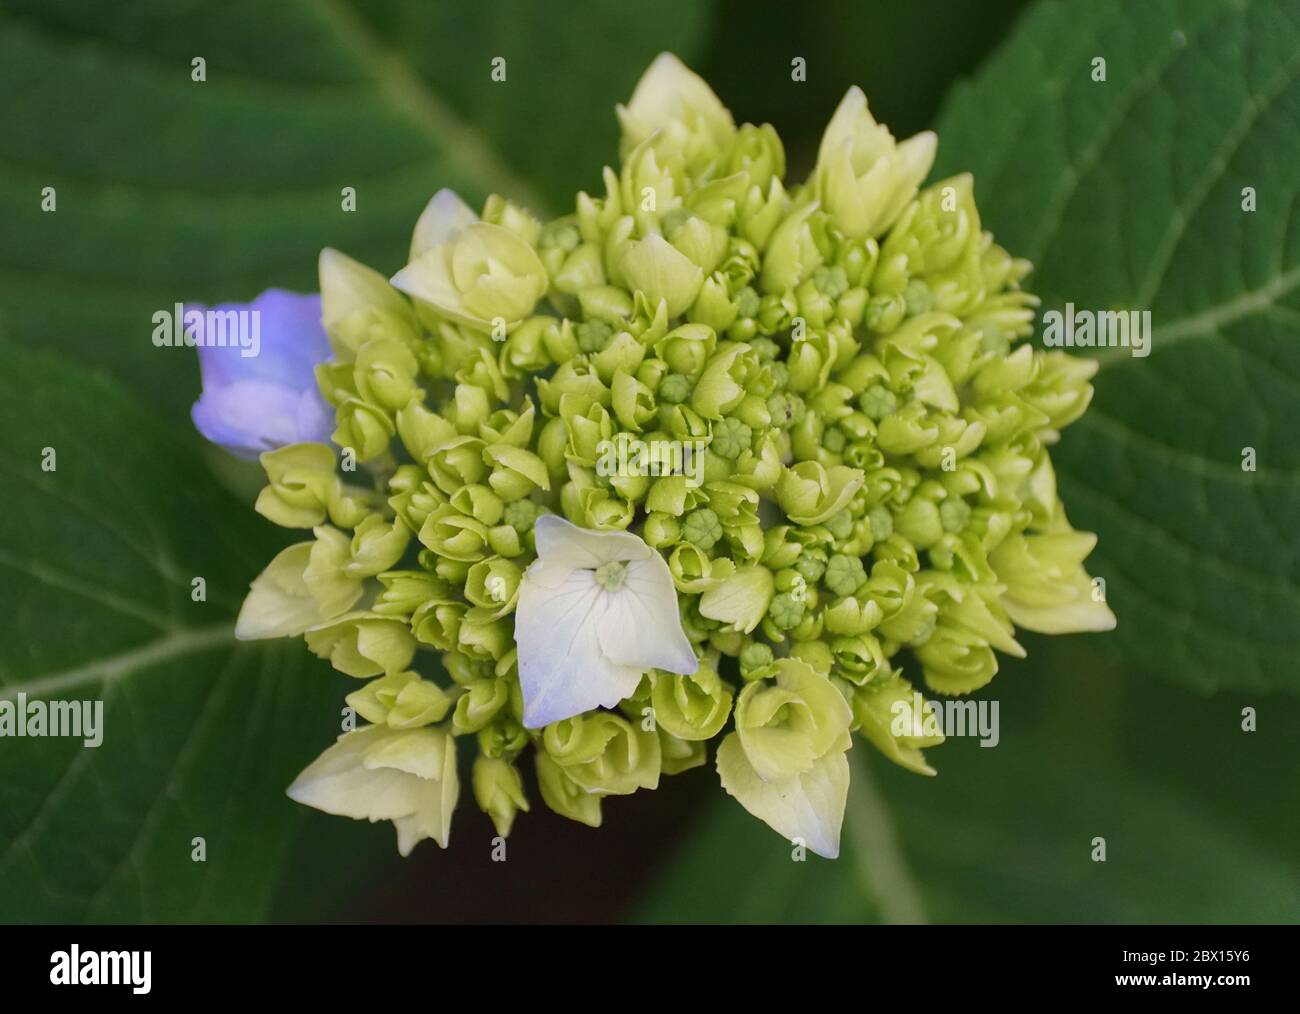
[
  {"x": 694, "y": 572},
  {"x": 646, "y": 183},
  {"x": 363, "y": 427},
  {"x": 457, "y": 463},
  {"x": 756, "y": 661},
  {"x": 702, "y": 528},
  {"x": 792, "y": 253},
  {"x": 524, "y": 351},
  {"x": 675, "y": 388},
  {"x": 358, "y": 305},
  {"x": 810, "y": 493},
  {"x": 656, "y": 268},
  {"x": 753, "y": 411},
  {"x": 680, "y": 114},
  {"x": 787, "y": 726},
  {"x": 717, "y": 200},
  {"x": 891, "y": 715},
  {"x": 703, "y": 242},
  {"x": 481, "y": 636},
  {"x": 810, "y": 363},
  {"x": 725, "y": 381},
  {"x": 577, "y": 377},
  {"x": 777, "y": 312},
  {"x": 882, "y": 522},
  {"x": 591, "y": 506},
  {"x": 811, "y": 564},
  {"x": 730, "y": 438},
  {"x": 859, "y": 658},
  {"x": 852, "y": 306},
  {"x": 840, "y": 525},
  {"x": 737, "y": 508},
  {"x": 623, "y": 355},
  {"x": 592, "y": 335},
  {"x": 559, "y": 234},
  {"x": 758, "y": 152},
  {"x": 954, "y": 512},
  {"x": 479, "y": 273},
  {"x": 363, "y": 644},
  {"x": 919, "y": 523},
  {"x": 302, "y": 485},
  {"x": 714, "y": 307},
  {"x": 862, "y": 177},
  {"x": 633, "y": 402},
  {"x": 505, "y": 540},
  {"x": 661, "y": 530},
  {"x": 1048, "y": 590},
  {"x": 385, "y": 373},
  {"x": 493, "y": 585},
  {"x": 678, "y": 755},
  {"x": 761, "y": 212},
  {"x": 604, "y": 753},
  {"x": 956, "y": 660},
  {"x": 400, "y": 700},
  {"x": 521, "y": 515},
  {"x": 885, "y": 312},
  {"x": 1061, "y": 390},
  {"x": 844, "y": 574},
  {"x": 786, "y": 610},
  {"x": 674, "y": 495},
  {"x": 691, "y": 707},
  {"x": 509, "y": 215},
  {"x": 852, "y": 616},
  {"x": 437, "y": 622},
  {"x": 503, "y": 737},
  {"x": 814, "y": 306},
  {"x": 404, "y": 591},
  {"x": 877, "y": 402},
  {"x": 748, "y": 303},
  {"x": 478, "y": 502},
  {"x": 515, "y": 472},
  {"x": 452, "y": 534},
  {"x": 499, "y": 792},
  {"x": 907, "y": 431},
  {"x": 422, "y": 432},
  {"x": 472, "y": 405},
  {"x": 909, "y": 616},
  {"x": 563, "y": 794},
  {"x": 376, "y": 545},
  {"x": 506, "y": 426},
  {"x": 482, "y": 699},
  {"x": 686, "y": 349}
]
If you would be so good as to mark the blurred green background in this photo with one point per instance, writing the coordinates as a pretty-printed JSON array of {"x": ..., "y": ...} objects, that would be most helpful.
[{"x": 1122, "y": 191}]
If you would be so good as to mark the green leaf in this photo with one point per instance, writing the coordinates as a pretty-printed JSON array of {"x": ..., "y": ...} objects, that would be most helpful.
[
  {"x": 1127, "y": 194},
  {"x": 172, "y": 190},
  {"x": 200, "y": 734},
  {"x": 1001, "y": 835}
]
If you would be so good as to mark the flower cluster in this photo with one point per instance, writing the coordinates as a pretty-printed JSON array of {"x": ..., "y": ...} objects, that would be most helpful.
[{"x": 846, "y": 356}]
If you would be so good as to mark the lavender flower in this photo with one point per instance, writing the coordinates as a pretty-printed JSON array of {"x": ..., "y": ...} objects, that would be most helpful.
[{"x": 256, "y": 403}]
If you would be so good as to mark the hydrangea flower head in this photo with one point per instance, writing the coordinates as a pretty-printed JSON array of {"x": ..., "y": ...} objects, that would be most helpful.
[{"x": 716, "y": 464}]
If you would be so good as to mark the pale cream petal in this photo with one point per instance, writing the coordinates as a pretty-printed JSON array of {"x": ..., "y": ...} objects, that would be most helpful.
[
  {"x": 442, "y": 219},
  {"x": 807, "y": 808}
]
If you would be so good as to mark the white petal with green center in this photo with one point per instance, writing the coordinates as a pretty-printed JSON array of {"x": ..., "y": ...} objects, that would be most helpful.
[{"x": 584, "y": 642}]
